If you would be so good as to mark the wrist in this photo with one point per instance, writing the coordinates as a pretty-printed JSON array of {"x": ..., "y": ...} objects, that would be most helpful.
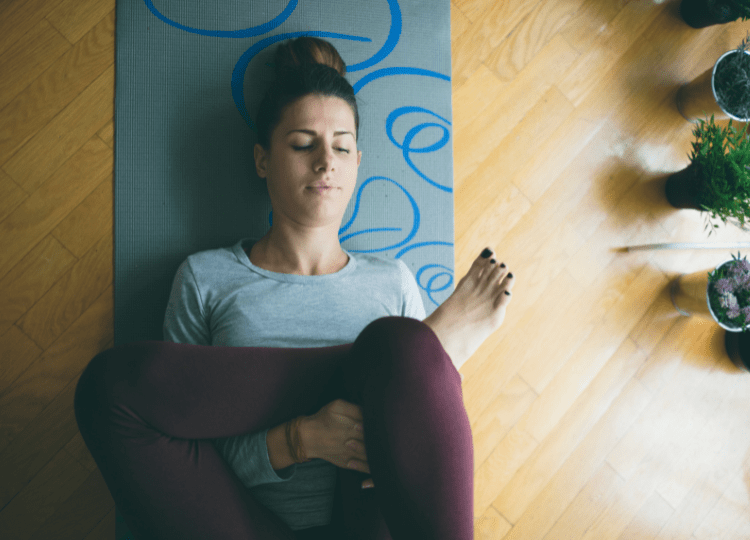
[{"x": 306, "y": 436}]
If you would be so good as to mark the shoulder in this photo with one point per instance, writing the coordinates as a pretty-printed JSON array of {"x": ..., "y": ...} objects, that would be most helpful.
[{"x": 207, "y": 263}]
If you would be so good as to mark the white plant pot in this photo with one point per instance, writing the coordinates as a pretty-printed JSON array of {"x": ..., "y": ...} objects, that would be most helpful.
[
  {"x": 697, "y": 99},
  {"x": 689, "y": 294}
]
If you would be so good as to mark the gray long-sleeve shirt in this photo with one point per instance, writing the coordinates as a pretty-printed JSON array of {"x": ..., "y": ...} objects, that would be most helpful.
[{"x": 220, "y": 298}]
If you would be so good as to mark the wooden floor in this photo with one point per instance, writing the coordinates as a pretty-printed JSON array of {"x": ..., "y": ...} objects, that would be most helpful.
[{"x": 597, "y": 411}]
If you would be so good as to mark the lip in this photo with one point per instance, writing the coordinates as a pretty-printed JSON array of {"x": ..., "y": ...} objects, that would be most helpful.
[{"x": 320, "y": 186}]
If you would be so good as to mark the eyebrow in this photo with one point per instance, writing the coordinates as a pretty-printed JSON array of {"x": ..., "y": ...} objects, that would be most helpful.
[{"x": 311, "y": 132}]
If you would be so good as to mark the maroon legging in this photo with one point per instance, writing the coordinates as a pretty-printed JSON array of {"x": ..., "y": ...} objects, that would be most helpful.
[{"x": 147, "y": 411}]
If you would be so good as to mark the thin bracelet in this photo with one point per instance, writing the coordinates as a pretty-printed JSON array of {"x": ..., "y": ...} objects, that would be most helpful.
[{"x": 294, "y": 441}]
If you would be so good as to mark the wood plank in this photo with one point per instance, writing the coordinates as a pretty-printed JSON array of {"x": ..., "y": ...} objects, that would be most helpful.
[
  {"x": 539, "y": 517},
  {"x": 459, "y": 22},
  {"x": 107, "y": 133},
  {"x": 65, "y": 135},
  {"x": 11, "y": 195},
  {"x": 83, "y": 227},
  {"x": 51, "y": 203},
  {"x": 19, "y": 16},
  {"x": 476, "y": 44},
  {"x": 105, "y": 529},
  {"x": 80, "y": 513},
  {"x": 718, "y": 450},
  {"x": 500, "y": 468},
  {"x": 28, "y": 58},
  {"x": 561, "y": 441},
  {"x": 55, "y": 370},
  {"x": 19, "y": 352},
  {"x": 664, "y": 423},
  {"x": 56, "y": 88},
  {"x": 512, "y": 401},
  {"x": 522, "y": 143},
  {"x": 732, "y": 509},
  {"x": 490, "y": 525},
  {"x": 649, "y": 520},
  {"x": 611, "y": 522},
  {"x": 594, "y": 498},
  {"x": 74, "y": 18},
  {"x": 471, "y": 98},
  {"x": 531, "y": 35},
  {"x": 77, "y": 448},
  {"x": 510, "y": 107},
  {"x": 592, "y": 18},
  {"x": 39, "y": 500},
  {"x": 71, "y": 296},
  {"x": 31, "y": 278},
  {"x": 46, "y": 436},
  {"x": 611, "y": 45}
]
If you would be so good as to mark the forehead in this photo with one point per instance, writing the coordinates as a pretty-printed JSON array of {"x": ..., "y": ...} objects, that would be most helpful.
[{"x": 319, "y": 113}]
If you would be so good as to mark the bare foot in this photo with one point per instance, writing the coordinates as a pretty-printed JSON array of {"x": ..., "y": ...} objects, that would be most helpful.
[{"x": 474, "y": 311}]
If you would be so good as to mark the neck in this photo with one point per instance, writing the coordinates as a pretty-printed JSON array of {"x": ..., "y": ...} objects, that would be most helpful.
[{"x": 311, "y": 254}]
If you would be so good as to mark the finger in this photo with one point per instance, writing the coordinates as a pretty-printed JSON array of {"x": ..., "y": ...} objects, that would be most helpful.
[{"x": 356, "y": 465}]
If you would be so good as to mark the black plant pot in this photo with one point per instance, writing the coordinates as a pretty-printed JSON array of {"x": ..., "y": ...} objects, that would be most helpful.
[
  {"x": 702, "y": 13},
  {"x": 738, "y": 348},
  {"x": 680, "y": 189}
]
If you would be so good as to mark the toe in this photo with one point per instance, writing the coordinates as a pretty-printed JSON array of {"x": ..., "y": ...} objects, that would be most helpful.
[
  {"x": 496, "y": 272},
  {"x": 480, "y": 263}
]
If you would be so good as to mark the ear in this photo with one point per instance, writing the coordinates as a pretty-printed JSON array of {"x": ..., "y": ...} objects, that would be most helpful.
[
  {"x": 261, "y": 161},
  {"x": 359, "y": 157}
]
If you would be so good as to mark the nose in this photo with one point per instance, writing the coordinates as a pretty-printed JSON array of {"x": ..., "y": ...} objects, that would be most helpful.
[{"x": 324, "y": 159}]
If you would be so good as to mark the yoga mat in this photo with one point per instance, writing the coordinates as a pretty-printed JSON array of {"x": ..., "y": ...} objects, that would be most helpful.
[{"x": 189, "y": 77}]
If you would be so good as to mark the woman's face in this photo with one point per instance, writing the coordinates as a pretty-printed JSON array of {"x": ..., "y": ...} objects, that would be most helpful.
[{"x": 313, "y": 144}]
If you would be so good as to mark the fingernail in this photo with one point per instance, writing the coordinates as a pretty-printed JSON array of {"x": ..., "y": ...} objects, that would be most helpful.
[{"x": 486, "y": 253}]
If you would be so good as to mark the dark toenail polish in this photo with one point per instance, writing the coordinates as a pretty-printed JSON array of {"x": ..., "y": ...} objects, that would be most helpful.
[
  {"x": 510, "y": 275},
  {"x": 486, "y": 253},
  {"x": 493, "y": 261},
  {"x": 502, "y": 265},
  {"x": 506, "y": 292}
]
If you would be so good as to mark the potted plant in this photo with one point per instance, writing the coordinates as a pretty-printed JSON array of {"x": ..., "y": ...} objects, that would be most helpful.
[
  {"x": 702, "y": 13},
  {"x": 723, "y": 90},
  {"x": 718, "y": 178},
  {"x": 722, "y": 295}
]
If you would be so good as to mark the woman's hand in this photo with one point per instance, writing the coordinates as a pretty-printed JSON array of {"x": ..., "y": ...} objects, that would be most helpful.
[{"x": 336, "y": 433}]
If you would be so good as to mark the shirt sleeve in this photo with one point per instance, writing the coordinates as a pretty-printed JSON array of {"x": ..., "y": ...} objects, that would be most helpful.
[
  {"x": 185, "y": 322},
  {"x": 412, "y": 305},
  {"x": 247, "y": 456}
]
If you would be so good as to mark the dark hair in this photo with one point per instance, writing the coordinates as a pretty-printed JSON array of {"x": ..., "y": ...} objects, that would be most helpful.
[{"x": 304, "y": 66}]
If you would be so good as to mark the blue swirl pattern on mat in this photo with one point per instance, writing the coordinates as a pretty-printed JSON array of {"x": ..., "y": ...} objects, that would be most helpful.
[{"x": 394, "y": 35}]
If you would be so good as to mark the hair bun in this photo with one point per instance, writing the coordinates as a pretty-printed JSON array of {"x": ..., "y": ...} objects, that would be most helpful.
[{"x": 306, "y": 50}]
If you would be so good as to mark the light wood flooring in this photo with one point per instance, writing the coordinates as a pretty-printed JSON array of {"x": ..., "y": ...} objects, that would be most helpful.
[{"x": 598, "y": 412}]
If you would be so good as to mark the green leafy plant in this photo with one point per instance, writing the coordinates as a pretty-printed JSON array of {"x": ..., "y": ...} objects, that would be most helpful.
[
  {"x": 721, "y": 160},
  {"x": 732, "y": 81},
  {"x": 742, "y": 7},
  {"x": 729, "y": 292}
]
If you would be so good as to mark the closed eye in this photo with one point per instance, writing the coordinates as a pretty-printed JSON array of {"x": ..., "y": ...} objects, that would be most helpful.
[{"x": 300, "y": 148}]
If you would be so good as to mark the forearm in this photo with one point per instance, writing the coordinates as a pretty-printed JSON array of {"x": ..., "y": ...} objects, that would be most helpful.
[{"x": 278, "y": 448}]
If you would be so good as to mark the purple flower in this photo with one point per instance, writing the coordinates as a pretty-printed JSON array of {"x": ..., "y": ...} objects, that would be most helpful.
[
  {"x": 723, "y": 286},
  {"x": 746, "y": 312}
]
